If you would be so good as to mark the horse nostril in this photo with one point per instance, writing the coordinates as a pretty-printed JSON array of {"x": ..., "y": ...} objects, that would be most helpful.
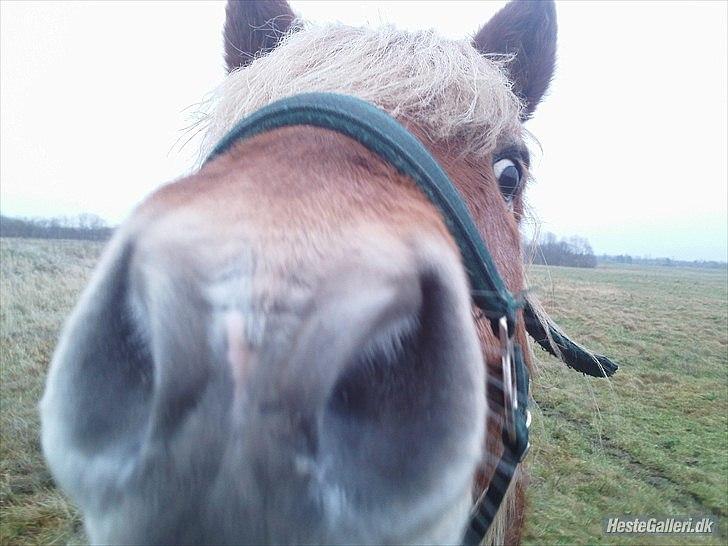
[
  {"x": 382, "y": 369},
  {"x": 416, "y": 382}
]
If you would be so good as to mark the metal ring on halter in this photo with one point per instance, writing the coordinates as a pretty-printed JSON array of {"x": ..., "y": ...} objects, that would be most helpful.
[{"x": 510, "y": 397}]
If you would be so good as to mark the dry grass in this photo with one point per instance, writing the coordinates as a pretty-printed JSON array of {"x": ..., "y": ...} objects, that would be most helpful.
[
  {"x": 653, "y": 441},
  {"x": 39, "y": 283}
]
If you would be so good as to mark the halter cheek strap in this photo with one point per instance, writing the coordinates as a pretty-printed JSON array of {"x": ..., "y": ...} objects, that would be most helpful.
[{"x": 384, "y": 136}]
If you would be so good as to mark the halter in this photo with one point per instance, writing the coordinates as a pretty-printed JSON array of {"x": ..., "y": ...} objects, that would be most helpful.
[{"x": 384, "y": 136}]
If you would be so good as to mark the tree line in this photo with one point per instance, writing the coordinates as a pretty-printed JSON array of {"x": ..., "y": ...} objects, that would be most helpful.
[
  {"x": 571, "y": 251},
  {"x": 664, "y": 262},
  {"x": 85, "y": 226},
  {"x": 577, "y": 252},
  {"x": 549, "y": 250}
]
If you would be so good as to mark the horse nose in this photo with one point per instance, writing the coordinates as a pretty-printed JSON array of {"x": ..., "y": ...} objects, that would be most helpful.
[
  {"x": 311, "y": 440},
  {"x": 353, "y": 315},
  {"x": 383, "y": 360}
]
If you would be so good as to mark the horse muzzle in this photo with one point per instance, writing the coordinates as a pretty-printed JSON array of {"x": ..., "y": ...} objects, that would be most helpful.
[{"x": 195, "y": 401}]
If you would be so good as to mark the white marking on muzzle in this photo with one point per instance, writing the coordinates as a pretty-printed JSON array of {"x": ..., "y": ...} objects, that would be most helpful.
[{"x": 239, "y": 356}]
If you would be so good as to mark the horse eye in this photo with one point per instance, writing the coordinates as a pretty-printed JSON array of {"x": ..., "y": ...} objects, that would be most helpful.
[{"x": 509, "y": 177}]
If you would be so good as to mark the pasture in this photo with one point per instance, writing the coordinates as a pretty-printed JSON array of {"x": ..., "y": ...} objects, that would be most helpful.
[{"x": 652, "y": 441}]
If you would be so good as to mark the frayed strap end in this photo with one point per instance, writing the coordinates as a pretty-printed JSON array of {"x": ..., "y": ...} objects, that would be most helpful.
[{"x": 571, "y": 354}]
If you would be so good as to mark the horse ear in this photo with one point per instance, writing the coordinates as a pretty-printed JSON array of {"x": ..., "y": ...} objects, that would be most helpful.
[
  {"x": 254, "y": 27},
  {"x": 526, "y": 29}
]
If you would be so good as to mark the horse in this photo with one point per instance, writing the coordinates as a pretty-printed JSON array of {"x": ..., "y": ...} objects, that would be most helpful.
[{"x": 281, "y": 346}]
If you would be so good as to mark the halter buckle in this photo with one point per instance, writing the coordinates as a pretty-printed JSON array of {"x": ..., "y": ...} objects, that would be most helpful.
[{"x": 510, "y": 397}]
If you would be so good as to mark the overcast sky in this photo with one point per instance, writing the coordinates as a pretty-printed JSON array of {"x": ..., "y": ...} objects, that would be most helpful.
[{"x": 95, "y": 96}]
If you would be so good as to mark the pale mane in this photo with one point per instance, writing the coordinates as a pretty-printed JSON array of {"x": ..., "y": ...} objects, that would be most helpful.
[{"x": 446, "y": 87}]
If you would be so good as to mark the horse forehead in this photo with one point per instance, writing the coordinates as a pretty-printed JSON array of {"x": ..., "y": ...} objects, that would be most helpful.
[
  {"x": 276, "y": 227},
  {"x": 287, "y": 203},
  {"x": 286, "y": 185},
  {"x": 222, "y": 254}
]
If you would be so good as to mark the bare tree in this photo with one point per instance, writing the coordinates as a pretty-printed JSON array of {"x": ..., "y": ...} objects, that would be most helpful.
[{"x": 573, "y": 251}]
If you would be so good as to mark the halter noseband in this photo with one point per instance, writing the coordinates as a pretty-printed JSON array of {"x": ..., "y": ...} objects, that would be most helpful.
[{"x": 384, "y": 136}]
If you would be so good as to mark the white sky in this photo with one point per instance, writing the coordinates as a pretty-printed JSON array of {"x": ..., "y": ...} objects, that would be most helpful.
[{"x": 94, "y": 96}]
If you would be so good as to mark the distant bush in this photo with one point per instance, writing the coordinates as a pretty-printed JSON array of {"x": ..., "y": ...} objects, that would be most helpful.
[
  {"x": 571, "y": 252},
  {"x": 84, "y": 226}
]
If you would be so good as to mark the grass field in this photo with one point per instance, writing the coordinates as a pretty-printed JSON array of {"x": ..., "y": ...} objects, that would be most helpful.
[{"x": 652, "y": 441}]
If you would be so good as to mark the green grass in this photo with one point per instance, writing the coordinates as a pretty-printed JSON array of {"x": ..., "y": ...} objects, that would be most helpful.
[{"x": 652, "y": 441}]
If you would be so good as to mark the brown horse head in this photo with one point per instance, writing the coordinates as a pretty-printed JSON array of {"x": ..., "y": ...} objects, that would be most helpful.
[{"x": 280, "y": 348}]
